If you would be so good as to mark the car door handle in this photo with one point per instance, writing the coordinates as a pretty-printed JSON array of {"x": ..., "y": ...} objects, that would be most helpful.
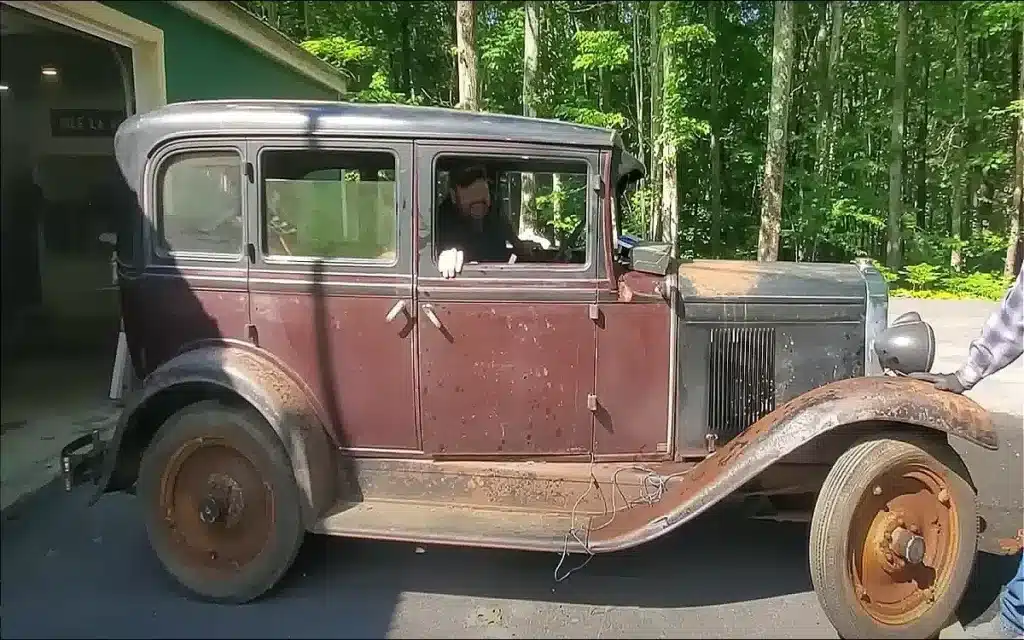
[
  {"x": 434, "y": 320},
  {"x": 395, "y": 310}
]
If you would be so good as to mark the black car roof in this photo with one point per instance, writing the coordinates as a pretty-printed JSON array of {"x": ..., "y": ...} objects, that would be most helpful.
[{"x": 139, "y": 135}]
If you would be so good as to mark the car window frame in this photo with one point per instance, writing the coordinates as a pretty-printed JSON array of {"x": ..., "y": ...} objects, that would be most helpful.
[
  {"x": 400, "y": 151},
  {"x": 152, "y": 185},
  {"x": 427, "y": 156},
  {"x": 333, "y": 145}
]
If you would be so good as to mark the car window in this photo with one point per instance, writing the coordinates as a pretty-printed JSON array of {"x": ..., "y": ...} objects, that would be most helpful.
[
  {"x": 329, "y": 204},
  {"x": 199, "y": 207},
  {"x": 539, "y": 204}
]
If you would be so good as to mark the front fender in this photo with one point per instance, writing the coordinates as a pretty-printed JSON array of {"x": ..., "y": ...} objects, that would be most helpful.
[
  {"x": 845, "y": 402},
  {"x": 261, "y": 382}
]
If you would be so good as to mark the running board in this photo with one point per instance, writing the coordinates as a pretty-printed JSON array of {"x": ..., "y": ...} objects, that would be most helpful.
[
  {"x": 553, "y": 487},
  {"x": 455, "y": 525}
]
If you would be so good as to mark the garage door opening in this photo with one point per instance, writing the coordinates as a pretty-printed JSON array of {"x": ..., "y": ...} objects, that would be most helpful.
[{"x": 64, "y": 93}]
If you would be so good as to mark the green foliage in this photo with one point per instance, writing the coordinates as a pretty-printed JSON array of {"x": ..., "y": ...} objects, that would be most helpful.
[
  {"x": 600, "y": 50},
  {"x": 602, "y": 64},
  {"x": 590, "y": 116},
  {"x": 921, "y": 276},
  {"x": 929, "y": 281},
  {"x": 339, "y": 51}
]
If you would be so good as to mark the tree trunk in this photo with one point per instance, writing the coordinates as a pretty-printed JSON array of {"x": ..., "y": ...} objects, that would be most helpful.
[
  {"x": 960, "y": 155},
  {"x": 893, "y": 253},
  {"x": 715, "y": 144},
  {"x": 465, "y": 32},
  {"x": 654, "y": 182},
  {"x": 406, "y": 37},
  {"x": 775, "y": 151},
  {"x": 921, "y": 200},
  {"x": 271, "y": 8},
  {"x": 531, "y": 36},
  {"x": 669, "y": 177},
  {"x": 1017, "y": 205}
]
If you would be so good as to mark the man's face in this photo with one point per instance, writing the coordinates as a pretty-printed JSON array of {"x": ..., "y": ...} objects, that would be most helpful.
[{"x": 474, "y": 199}]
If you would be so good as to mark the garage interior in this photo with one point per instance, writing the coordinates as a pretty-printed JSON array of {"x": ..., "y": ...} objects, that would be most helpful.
[{"x": 63, "y": 93}]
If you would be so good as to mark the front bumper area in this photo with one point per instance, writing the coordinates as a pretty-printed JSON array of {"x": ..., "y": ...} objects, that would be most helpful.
[{"x": 81, "y": 460}]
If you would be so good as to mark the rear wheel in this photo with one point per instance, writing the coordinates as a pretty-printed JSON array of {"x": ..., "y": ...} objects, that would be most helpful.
[
  {"x": 893, "y": 539},
  {"x": 221, "y": 504}
]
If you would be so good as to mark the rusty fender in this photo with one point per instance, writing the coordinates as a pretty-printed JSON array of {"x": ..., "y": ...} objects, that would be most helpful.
[
  {"x": 266, "y": 386},
  {"x": 854, "y": 400}
]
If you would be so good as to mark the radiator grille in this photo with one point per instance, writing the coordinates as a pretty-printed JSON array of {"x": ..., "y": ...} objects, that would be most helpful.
[{"x": 741, "y": 378}]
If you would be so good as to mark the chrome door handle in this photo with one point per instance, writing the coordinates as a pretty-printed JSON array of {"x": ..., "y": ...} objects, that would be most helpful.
[
  {"x": 434, "y": 320},
  {"x": 395, "y": 310}
]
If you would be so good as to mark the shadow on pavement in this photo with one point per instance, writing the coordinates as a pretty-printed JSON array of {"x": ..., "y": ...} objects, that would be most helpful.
[{"x": 68, "y": 570}]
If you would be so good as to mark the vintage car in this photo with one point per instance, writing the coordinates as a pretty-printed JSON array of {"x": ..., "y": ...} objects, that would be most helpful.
[{"x": 305, "y": 366}]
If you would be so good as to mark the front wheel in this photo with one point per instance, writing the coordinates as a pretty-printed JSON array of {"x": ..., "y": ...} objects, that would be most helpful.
[
  {"x": 221, "y": 504},
  {"x": 893, "y": 539}
]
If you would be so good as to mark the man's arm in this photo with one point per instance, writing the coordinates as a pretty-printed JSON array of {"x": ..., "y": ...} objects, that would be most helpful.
[{"x": 1001, "y": 340}]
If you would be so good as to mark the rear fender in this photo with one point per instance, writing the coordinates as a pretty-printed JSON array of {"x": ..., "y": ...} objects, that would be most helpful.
[
  {"x": 846, "y": 402},
  {"x": 259, "y": 381}
]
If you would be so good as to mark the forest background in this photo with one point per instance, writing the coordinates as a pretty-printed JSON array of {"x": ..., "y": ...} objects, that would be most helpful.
[{"x": 807, "y": 131}]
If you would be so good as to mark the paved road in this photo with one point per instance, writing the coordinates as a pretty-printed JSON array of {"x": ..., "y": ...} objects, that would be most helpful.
[{"x": 70, "y": 571}]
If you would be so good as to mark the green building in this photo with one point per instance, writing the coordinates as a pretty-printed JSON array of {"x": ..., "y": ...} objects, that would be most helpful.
[{"x": 70, "y": 72}]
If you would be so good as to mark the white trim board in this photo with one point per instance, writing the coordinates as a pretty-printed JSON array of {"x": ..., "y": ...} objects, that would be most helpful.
[
  {"x": 239, "y": 23},
  {"x": 145, "y": 41}
]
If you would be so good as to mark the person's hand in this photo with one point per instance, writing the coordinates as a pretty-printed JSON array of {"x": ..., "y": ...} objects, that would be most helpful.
[
  {"x": 449, "y": 263},
  {"x": 942, "y": 381}
]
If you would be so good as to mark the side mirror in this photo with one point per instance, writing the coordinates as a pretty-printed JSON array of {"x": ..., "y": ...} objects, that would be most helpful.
[{"x": 907, "y": 345}]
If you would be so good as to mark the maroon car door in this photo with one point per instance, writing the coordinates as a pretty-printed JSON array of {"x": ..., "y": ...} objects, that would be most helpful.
[
  {"x": 506, "y": 352},
  {"x": 194, "y": 279},
  {"x": 331, "y": 287}
]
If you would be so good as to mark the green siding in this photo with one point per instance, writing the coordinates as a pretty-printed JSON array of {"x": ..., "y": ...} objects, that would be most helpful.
[{"x": 205, "y": 63}]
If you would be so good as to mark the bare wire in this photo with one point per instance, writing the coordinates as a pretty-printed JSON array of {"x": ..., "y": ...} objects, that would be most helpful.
[{"x": 652, "y": 489}]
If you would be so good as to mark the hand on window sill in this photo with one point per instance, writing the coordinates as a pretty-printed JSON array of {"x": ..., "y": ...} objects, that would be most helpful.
[{"x": 449, "y": 263}]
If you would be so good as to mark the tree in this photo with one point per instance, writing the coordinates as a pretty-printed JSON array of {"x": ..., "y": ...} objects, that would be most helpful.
[
  {"x": 714, "y": 144},
  {"x": 1016, "y": 214},
  {"x": 833, "y": 137},
  {"x": 893, "y": 251},
  {"x": 531, "y": 36},
  {"x": 465, "y": 29},
  {"x": 778, "y": 118}
]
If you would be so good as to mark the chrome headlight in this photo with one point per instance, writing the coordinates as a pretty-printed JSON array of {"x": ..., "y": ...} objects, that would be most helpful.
[{"x": 908, "y": 346}]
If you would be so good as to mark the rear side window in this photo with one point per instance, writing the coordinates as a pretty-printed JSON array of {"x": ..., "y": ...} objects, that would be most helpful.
[
  {"x": 199, "y": 203},
  {"x": 330, "y": 204}
]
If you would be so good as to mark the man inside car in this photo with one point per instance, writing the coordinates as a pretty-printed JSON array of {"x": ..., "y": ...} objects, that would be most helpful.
[{"x": 469, "y": 228}]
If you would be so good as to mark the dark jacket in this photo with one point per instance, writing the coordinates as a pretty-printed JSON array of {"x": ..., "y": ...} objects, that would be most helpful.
[{"x": 488, "y": 244}]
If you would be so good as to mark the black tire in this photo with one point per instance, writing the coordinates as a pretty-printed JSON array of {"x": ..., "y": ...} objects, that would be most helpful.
[
  {"x": 848, "y": 549},
  {"x": 232, "y": 454}
]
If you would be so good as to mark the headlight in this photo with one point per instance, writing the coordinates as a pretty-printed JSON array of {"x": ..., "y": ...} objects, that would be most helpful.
[{"x": 907, "y": 346}]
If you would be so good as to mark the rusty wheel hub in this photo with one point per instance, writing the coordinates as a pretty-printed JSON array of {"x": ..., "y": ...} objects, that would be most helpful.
[
  {"x": 217, "y": 510},
  {"x": 903, "y": 543}
]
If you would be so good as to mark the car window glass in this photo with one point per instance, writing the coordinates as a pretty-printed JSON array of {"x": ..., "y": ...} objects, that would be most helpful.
[
  {"x": 329, "y": 204},
  {"x": 540, "y": 203},
  {"x": 200, "y": 203}
]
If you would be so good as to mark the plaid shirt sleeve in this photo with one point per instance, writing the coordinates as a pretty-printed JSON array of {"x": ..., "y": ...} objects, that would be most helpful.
[{"x": 1001, "y": 340}]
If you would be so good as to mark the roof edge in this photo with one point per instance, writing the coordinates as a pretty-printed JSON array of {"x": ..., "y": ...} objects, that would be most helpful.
[{"x": 242, "y": 25}]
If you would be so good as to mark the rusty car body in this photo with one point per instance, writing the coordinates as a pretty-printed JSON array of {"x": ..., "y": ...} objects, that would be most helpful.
[{"x": 579, "y": 408}]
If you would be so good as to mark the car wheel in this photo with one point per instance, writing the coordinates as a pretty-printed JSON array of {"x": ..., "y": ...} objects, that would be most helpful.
[
  {"x": 893, "y": 538},
  {"x": 221, "y": 504}
]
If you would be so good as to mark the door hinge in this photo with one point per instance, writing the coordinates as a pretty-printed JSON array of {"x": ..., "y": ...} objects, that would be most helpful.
[
  {"x": 252, "y": 335},
  {"x": 595, "y": 312},
  {"x": 592, "y": 402},
  {"x": 250, "y": 251},
  {"x": 250, "y": 172}
]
